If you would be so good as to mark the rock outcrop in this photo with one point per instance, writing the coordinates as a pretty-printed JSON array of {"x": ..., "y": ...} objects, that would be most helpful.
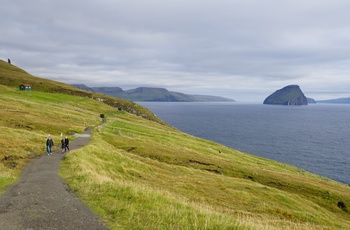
[{"x": 289, "y": 95}]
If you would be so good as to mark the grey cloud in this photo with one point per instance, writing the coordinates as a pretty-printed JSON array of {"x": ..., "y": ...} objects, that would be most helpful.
[{"x": 213, "y": 47}]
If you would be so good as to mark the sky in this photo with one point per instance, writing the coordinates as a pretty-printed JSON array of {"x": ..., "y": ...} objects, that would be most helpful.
[{"x": 240, "y": 49}]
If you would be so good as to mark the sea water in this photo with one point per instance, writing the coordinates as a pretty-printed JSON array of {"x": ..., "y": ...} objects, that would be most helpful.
[{"x": 313, "y": 137}]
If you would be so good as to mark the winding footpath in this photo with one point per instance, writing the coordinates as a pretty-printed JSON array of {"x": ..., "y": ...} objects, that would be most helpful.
[{"x": 41, "y": 199}]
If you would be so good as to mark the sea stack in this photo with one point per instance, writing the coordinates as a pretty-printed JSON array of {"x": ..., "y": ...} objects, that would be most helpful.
[{"x": 289, "y": 95}]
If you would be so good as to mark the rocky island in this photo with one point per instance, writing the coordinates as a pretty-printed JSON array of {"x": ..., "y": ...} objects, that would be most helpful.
[{"x": 289, "y": 95}]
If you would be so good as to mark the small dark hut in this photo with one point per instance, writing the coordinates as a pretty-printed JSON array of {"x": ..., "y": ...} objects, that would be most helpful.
[{"x": 25, "y": 87}]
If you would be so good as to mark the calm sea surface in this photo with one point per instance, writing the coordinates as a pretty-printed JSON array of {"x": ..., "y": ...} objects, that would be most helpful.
[{"x": 313, "y": 137}]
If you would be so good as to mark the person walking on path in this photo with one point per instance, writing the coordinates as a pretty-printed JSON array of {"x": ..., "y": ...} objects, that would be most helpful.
[
  {"x": 63, "y": 147},
  {"x": 66, "y": 144},
  {"x": 49, "y": 144}
]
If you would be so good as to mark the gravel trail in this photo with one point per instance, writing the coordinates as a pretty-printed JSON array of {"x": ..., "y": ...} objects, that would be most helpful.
[{"x": 41, "y": 200}]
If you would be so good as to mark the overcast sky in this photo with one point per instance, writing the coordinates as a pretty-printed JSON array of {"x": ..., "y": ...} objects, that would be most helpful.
[{"x": 241, "y": 49}]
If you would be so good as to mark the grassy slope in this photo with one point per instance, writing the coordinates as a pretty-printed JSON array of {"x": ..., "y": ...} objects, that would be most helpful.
[
  {"x": 26, "y": 118},
  {"x": 142, "y": 174},
  {"x": 11, "y": 75},
  {"x": 138, "y": 173}
]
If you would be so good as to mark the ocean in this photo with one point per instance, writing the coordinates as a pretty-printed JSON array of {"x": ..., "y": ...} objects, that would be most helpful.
[{"x": 313, "y": 137}]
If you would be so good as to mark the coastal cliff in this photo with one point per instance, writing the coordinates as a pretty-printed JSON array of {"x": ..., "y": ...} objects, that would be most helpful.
[{"x": 289, "y": 95}]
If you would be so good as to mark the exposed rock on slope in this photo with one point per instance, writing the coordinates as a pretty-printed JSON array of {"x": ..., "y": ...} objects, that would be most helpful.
[{"x": 289, "y": 95}]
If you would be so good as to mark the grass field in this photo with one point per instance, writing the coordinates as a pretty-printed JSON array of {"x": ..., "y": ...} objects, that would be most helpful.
[{"x": 140, "y": 173}]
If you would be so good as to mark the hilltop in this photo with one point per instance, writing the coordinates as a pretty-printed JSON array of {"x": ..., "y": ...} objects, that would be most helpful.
[
  {"x": 139, "y": 173},
  {"x": 152, "y": 94}
]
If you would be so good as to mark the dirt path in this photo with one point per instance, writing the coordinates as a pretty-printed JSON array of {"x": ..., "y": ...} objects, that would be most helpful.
[{"x": 41, "y": 200}]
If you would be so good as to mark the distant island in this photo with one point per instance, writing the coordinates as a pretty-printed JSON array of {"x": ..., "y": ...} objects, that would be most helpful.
[
  {"x": 152, "y": 94},
  {"x": 289, "y": 95},
  {"x": 345, "y": 100}
]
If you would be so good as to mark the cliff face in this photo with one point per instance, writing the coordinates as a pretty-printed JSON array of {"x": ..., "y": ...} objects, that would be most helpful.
[{"x": 289, "y": 95}]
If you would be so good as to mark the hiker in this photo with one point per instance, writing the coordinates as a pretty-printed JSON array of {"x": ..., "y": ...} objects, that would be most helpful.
[
  {"x": 63, "y": 146},
  {"x": 49, "y": 144},
  {"x": 9, "y": 61},
  {"x": 66, "y": 144}
]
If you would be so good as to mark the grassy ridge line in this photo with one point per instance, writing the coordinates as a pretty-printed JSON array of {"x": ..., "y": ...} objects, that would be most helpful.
[
  {"x": 11, "y": 75},
  {"x": 140, "y": 174}
]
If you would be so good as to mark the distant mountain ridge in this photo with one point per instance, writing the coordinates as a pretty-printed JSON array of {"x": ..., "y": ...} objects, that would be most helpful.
[
  {"x": 152, "y": 94},
  {"x": 345, "y": 100}
]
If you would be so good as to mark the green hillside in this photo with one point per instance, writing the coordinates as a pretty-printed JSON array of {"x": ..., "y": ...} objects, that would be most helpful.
[
  {"x": 139, "y": 173},
  {"x": 11, "y": 75}
]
